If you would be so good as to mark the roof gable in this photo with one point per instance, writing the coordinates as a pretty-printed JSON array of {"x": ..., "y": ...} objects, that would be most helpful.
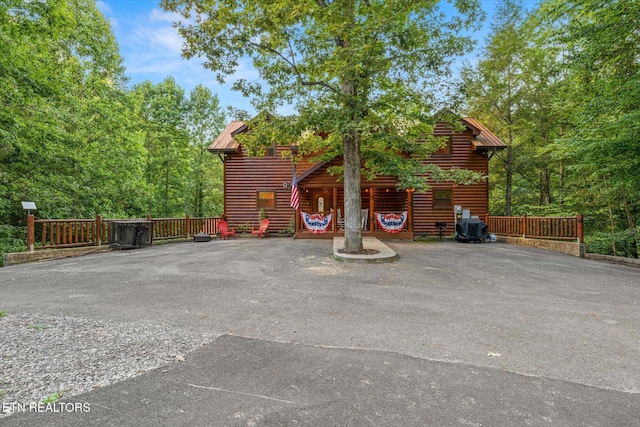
[
  {"x": 225, "y": 143},
  {"x": 483, "y": 138}
]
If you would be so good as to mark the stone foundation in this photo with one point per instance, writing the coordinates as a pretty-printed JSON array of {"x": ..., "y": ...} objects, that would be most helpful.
[{"x": 571, "y": 248}]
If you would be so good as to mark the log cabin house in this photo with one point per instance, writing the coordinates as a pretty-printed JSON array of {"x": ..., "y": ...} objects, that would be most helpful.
[{"x": 252, "y": 184}]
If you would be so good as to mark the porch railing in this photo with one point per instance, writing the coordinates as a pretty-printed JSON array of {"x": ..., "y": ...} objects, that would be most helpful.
[
  {"x": 536, "y": 227},
  {"x": 68, "y": 233}
]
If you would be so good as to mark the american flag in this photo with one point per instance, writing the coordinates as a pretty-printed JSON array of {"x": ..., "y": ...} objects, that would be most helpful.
[{"x": 295, "y": 197}]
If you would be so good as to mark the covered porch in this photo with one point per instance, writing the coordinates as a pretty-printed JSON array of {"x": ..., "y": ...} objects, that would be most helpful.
[{"x": 376, "y": 199}]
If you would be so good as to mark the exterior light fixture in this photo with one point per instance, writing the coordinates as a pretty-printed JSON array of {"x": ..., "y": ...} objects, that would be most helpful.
[{"x": 29, "y": 206}]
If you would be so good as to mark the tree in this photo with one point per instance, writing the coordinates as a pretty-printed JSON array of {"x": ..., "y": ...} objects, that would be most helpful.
[
  {"x": 602, "y": 40},
  {"x": 357, "y": 71},
  {"x": 204, "y": 122},
  {"x": 494, "y": 89},
  {"x": 167, "y": 144},
  {"x": 66, "y": 140}
]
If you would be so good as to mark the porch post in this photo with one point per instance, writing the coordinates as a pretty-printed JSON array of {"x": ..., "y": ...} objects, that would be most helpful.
[
  {"x": 372, "y": 191},
  {"x": 335, "y": 209},
  {"x": 410, "y": 210}
]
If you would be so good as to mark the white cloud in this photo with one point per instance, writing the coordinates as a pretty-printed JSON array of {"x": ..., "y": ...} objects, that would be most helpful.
[
  {"x": 151, "y": 64},
  {"x": 245, "y": 70},
  {"x": 104, "y": 7},
  {"x": 107, "y": 12},
  {"x": 157, "y": 15},
  {"x": 152, "y": 50},
  {"x": 159, "y": 38}
]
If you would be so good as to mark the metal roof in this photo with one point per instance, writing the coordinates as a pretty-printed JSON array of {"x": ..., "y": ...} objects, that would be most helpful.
[
  {"x": 225, "y": 143},
  {"x": 483, "y": 138}
]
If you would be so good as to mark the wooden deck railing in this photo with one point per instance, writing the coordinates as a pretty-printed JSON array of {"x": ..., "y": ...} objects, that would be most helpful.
[
  {"x": 67, "y": 233},
  {"x": 535, "y": 227}
]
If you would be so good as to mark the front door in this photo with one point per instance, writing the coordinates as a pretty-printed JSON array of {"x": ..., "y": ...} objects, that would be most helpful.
[{"x": 321, "y": 201}]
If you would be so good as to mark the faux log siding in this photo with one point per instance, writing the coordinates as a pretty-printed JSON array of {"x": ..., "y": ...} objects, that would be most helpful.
[
  {"x": 244, "y": 176},
  {"x": 472, "y": 197},
  {"x": 321, "y": 179}
]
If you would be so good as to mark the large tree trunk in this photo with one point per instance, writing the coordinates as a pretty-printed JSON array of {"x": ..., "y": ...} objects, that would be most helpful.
[
  {"x": 352, "y": 196},
  {"x": 351, "y": 159}
]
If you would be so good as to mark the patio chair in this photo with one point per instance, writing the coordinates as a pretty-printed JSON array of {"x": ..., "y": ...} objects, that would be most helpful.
[
  {"x": 340, "y": 220},
  {"x": 365, "y": 218},
  {"x": 224, "y": 230},
  {"x": 262, "y": 230}
]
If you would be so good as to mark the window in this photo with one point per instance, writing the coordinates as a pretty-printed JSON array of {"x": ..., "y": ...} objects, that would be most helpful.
[
  {"x": 442, "y": 199},
  {"x": 447, "y": 150},
  {"x": 270, "y": 151},
  {"x": 262, "y": 152},
  {"x": 266, "y": 199}
]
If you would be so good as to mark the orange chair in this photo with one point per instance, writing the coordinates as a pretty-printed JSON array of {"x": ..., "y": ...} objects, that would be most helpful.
[
  {"x": 262, "y": 231},
  {"x": 224, "y": 230}
]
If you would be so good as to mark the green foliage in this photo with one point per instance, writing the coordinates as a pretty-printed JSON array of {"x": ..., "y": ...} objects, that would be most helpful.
[
  {"x": 67, "y": 141},
  {"x": 182, "y": 175},
  {"x": 204, "y": 122},
  {"x": 12, "y": 239},
  {"x": 562, "y": 87},
  {"x": 75, "y": 140},
  {"x": 244, "y": 228},
  {"x": 53, "y": 397},
  {"x": 167, "y": 144}
]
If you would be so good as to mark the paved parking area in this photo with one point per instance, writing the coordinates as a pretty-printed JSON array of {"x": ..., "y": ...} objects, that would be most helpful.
[{"x": 448, "y": 334}]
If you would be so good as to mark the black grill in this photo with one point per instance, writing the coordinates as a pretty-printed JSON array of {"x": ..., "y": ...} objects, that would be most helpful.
[{"x": 471, "y": 230}]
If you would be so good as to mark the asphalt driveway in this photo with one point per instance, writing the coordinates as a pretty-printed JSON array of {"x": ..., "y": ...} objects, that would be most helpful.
[{"x": 449, "y": 334}]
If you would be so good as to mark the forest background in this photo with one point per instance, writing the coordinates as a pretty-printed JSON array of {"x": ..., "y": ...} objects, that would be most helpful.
[{"x": 560, "y": 84}]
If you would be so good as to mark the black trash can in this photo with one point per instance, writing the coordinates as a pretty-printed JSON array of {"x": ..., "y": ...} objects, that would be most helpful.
[{"x": 131, "y": 234}]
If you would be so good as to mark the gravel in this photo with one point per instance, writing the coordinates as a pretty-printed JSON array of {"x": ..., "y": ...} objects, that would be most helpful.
[{"x": 42, "y": 355}]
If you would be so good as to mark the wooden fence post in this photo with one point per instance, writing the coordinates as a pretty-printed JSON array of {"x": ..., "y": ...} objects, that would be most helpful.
[
  {"x": 187, "y": 225},
  {"x": 99, "y": 230},
  {"x": 580, "y": 228},
  {"x": 31, "y": 233},
  {"x": 153, "y": 228},
  {"x": 524, "y": 226}
]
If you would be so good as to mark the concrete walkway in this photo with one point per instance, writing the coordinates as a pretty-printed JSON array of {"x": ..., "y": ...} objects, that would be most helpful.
[
  {"x": 448, "y": 334},
  {"x": 378, "y": 251}
]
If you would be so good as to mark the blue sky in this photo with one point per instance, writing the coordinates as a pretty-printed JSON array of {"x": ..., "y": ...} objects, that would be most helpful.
[{"x": 151, "y": 46}]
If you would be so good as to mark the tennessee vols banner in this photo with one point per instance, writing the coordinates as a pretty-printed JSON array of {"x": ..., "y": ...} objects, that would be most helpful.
[
  {"x": 316, "y": 223},
  {"x": 391, "y": 222}
]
